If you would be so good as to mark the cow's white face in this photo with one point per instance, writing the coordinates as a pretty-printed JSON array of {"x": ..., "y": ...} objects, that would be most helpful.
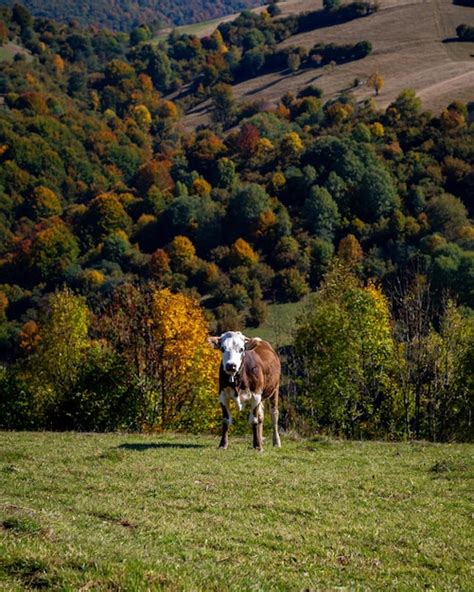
[{"x": 232, "y": 346}]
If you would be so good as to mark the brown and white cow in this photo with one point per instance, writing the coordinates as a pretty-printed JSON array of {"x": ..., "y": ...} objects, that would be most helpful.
[{"x": 250, "y": 372}]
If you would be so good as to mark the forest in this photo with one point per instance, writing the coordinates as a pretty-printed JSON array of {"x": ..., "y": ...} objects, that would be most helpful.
[
  {"x": 125, "y": 239},
  {"x": 124, "y": 15}
]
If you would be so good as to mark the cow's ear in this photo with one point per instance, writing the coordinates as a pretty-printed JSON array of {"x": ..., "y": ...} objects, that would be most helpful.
[
  {"x": 250, "y": 343},
  {"x": 214, "y": 341}
]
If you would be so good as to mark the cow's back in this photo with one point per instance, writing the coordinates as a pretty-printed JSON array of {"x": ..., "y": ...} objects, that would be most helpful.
[{"x": 261, "y": 355}]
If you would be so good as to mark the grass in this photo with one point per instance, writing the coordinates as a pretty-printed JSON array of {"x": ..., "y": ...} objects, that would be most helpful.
[
  {"x": 133, "y": 512},
  {"x": 10, "y": 49},
  {"x": 279, "y": 327}
]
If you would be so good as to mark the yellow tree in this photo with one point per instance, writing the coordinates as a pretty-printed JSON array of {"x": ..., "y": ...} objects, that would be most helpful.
[
  {"x": 291, "y": 144},
  {"x": 186, "y": 369},
  {"x": 242, "y": 253},
  {"x": 376, "y": 81},
  {"x": 181, "y": 252},
  {"x": 350, "y": 251},
  {"x": 162, "y": 336}
]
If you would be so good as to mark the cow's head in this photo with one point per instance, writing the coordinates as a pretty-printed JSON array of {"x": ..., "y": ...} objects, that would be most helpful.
[{"x": 232, "y": 345}]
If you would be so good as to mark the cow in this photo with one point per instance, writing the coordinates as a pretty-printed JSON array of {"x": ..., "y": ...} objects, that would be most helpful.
[{"x": 250, "y": 372}]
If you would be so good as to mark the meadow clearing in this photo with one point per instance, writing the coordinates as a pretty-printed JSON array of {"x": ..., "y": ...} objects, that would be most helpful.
[{"x": 172, "y": 512}]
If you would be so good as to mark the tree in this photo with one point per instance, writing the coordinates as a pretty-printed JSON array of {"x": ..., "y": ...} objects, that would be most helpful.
[
  {"x": 223, "y": 103},
  {"x": 447, "y": 214},
  {"x": 291, "y": 145},
  {"x": 246, "y": 206},
  {"x": 376, "y": 81},
  {"x": 21, "y": 16},
  {"x": 187, "y": 366},
  {"x": 225, "y": 172},
  {"x": 181, "y": 252},
  {"x": 377, "y": 195},
  {"x": 350, "y": 251},
  {"x": 45, "y": 203},
  {"x": 252, "y": 61},
  {"x": 465, "y": 32},
  {"x": 449, "y": 396},
  {"x": 104, "y": 214},
  {"x": 273, "y": 9},
  {"x": 346, "y": 348},
  {"x": 294, "y": 62},
  {"x": 248, "y": 138},
  {"x": 331, "y": 5},
  {"x": 139, "y": 35},
  {"x": 290, "y": 285},
  {"x": 159, "y": 69},
  {"x": 253, "y": 39},
  {"x": 58, "y": 352},
  {"x": 53, "y": 248},
  {"x": 163, "y": 337},
  {"x": 407, "y": 105},
  {"x": 242, "y": 253},
  {"x": 320, "y": 213}
]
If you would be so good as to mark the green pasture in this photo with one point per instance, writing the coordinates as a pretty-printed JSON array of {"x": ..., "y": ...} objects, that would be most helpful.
[
  {"x": 172, "y": 512},
  {"x": 280, "y": 325}
]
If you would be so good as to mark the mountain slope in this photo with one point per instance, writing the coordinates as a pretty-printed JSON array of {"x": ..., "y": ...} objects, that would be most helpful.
[
  {"x": 414, "y": 46},
  {"x": 122, "y": 15}
]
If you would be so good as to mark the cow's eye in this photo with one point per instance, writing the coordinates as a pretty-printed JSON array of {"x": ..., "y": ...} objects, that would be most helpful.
[
  {"x": 241, "y": 349},
  {"x": 222, "y": 349}
]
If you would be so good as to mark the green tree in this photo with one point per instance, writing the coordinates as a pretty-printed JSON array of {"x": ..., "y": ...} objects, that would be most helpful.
[
  {"x": 447, "y": 214},
  {"x": 223, "y": 103},
  {"x": 345, "y": 344},
  {"x": 320, "y": 213},
  {"x": 53, "y": 248},
  {"x": 246, "y": 205},
  {"x": 377, "y": 194},
  {"x": 104, "y": 214},
  {"x": 52, "y": 369},
  {"x": 331, "y": 5}
]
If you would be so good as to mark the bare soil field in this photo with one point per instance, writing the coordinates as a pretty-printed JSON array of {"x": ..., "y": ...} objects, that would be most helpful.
[{"x": 414, "y": 46}]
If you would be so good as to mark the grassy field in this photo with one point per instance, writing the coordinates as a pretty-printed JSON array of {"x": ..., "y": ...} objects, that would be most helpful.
[
  {"x": 10, "y": 49},
  {"x": 279, "y": 327},
  {"x": 414, "y": 46},
  {"x": 131, "y": 512}
]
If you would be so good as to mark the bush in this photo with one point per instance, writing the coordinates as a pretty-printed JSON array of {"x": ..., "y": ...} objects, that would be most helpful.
[{"x": 17, "y": 409}]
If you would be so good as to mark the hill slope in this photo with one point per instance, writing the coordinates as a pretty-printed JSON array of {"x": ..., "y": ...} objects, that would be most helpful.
[
  {"x": 414, "y": 46},
  {"x": 128, "y": 512},
  {"x": 123, "y": 15}
]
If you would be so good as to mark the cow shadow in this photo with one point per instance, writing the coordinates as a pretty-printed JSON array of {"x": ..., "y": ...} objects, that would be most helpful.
[{"x": 141, "y": 447}]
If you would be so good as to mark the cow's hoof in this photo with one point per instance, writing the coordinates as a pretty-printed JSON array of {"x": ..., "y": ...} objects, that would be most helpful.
[{"x": 222, "y": 446}]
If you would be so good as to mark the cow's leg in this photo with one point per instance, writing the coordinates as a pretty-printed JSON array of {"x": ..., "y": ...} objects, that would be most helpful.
[
  {"x": 275, "y": 415},
  {"x": 226, "y": 418},
  {"x": 256, "y": 421}
]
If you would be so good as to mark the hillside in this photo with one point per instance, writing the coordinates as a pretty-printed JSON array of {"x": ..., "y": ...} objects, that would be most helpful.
[
  {"x": 414, "y": 46},
  {"x": 168, "y": 512},
  {"x": 124, "y": 238},
  {"x": 123, "y": 15}
]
